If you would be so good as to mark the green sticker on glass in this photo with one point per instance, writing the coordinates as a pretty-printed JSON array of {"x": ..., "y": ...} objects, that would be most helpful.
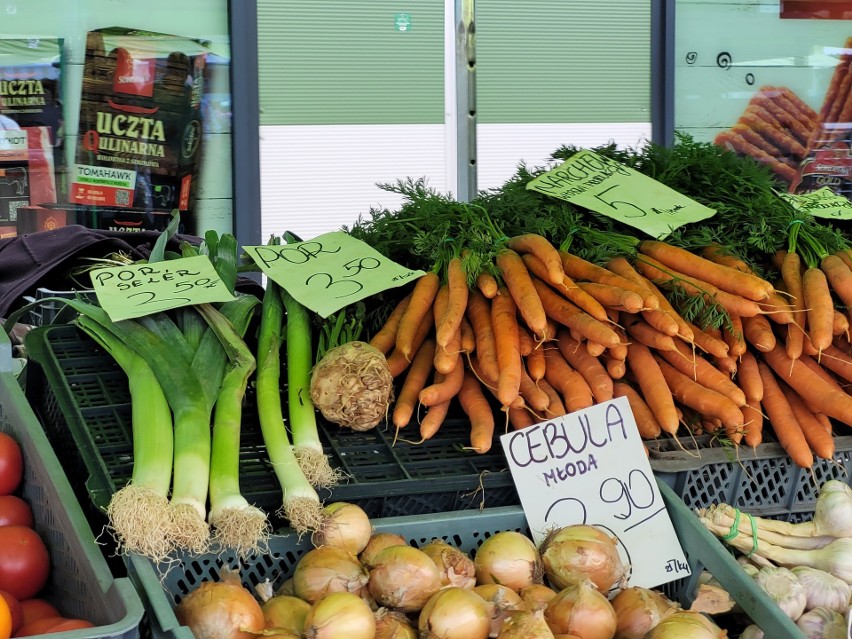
[
  {"x": 330, "y": 271},
  {"x": 821, "y": 203},
  {"x": 402, "y": 21},
  {"x": 621, "y": 193},
  {"x": 136, "y": 290}
]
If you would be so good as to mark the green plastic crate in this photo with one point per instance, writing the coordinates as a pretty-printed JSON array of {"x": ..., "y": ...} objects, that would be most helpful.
[
  {"x": 81, "y": 584},
  {"x": 162, "y": 587}
]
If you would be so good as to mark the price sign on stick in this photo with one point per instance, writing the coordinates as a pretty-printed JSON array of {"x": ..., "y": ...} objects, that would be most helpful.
[
  {"x": 617, "y": 191},
  {"x": 821, "y": 203},
  {"x": 589, "y": 467},
  {"x": 136, "y": 290},
  {"x": 330, "y": 271}
]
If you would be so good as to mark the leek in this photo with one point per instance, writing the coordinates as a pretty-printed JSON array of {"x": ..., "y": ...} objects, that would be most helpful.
[{"x": 301, "y": 505}]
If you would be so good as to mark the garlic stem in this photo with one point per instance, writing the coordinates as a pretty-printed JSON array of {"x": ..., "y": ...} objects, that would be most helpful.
[{"x": 723, "y": 515}]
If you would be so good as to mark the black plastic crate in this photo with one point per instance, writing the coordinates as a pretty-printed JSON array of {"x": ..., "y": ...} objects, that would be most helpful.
[{"x": 84, "y": 404}]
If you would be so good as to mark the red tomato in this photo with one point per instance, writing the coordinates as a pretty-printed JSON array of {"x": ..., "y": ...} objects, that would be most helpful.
[
  {"x": 24, "y": 562},
  {"x": 39, "y": 626},
  {"x": 14, "y": 511},
  {"x": 33, "y": 609},
  {"x": 11, "y": 465},
  {"x": 15, "y": 609}
]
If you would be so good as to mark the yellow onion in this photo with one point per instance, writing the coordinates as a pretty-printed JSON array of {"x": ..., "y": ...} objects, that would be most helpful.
[
  {"x": 221, "y": 609},
  {"x": 328, "y": 569},
  {"x": 377, "y": 543},
  {"x": 280, "y": 634},
  {"x": 508, "y": 558},
  {"x": 454, "y": 613},
  {"x": 286, "y": 613},
  {"x": 585, "y": 549},
  {"x": 579, "y": 609},
  {"x": 456, "y": 567},
  {"x": 403, "y": 578},
  {"x": 525, "y": 624},
  {"x": 286, "y": 588},
  {"x": 393, "y": 625},
  {"x": 503, "y": 601},
  {"x": 537, "y": 596},
  {"x": 686, "y": 624},
  {"x": 340, "y": 615},
  {"x": 344, "y": 525},
  {"x": 638, "y": 610}
]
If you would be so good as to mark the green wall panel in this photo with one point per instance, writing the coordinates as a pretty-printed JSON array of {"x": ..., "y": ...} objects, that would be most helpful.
[
  {"x": 563, "y": 61},
  {"x": 344, "y": 62}
]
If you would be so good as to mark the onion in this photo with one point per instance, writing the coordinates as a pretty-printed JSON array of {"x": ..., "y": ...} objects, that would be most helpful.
[
  {"x": 585, "y": 549},
  {"x": 352, "y": 386},
  {"x": 456, "y": 568},
  {"x": 454, "y": 613},
  {"x": 340, "y": 615},
  {"x": 344, "y": 525},
  {"x": 403, "y": 578},
  {"x": 328, "y": 569},
  {"x": 503, "y": 601},
  {"x": 525, "y": 624},
  {"x": 508, "y": 558},
  {"x": 579, "y": 609},
  {"x": 537, "y": 596},
  {"x": 393, "y": 625},
  {"x": 221, "y": 609},
  {"x": 685, "y": 624},
  {"x": 286, "y": 588},
  {"x": 823, "y": 590},
  {"x": 285, "y": 613},
  {"x": 377, "y": 543},
  {"x": 638, "y": 610}
]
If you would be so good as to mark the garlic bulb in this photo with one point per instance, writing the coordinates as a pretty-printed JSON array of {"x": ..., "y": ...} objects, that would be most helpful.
[
  {"x": 823, "y": 590},
  {"x": 822, "y": 623},
  {"x": 783, "y": 587}
]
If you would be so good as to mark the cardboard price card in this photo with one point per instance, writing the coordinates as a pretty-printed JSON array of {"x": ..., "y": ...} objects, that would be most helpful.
[
  {"x": 136, "y": 290},
  {"x": 330, "y": 271},
  {"x": 589, "y": 467},
  {"x": 621, "y": 193},
  {"x": 821, "y": 203}
]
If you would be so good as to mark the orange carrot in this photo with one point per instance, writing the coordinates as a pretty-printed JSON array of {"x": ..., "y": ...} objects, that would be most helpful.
[
  {"x": 824, "y": 420},
  {"x": 468, "y": 339},
  {"x": 703, "y": 372},
  {"x": 575, "y": 391},
  {"x": 820, "y": 308},
  {"x": 521, "y": 418},
  {"x": 839, "y": 276},
  {"x": 821, "y": 442},
  {"x": 415, "y": 380},
  {"x": 646, "y": 423},
  {"x": 556, "y": 407},
  {"x": 434, "y": 418},
  {"x": 527, "y": 343},
  {"x": 589, "y": 367},
  {"x": 594, "y": 349},
  {"x": 662, "y": 321},
  {"x": 846, "y": 256},
  {"x": 614, "y": 296},
  {"x": 707, "y": 402},
  {"x": 422, "y": 297},
  {"x": 444, "y": 387},
  {"x": 487, "y": 284},
  {"x": 784, "y": 423},
  {"x": 535, "y": 363},
  {"x": 708, "y": 343},
  {"x": 620, "y": 266},
  {"x": 540, "y": 246},
  {"x": 758, "y": 333},
  {"x": 450, "y": 320},
  {"x": 753, "y": 424},
  {"x": 840, "y": 324},
  {"x": 504, "y": 321},
  {"x": 397, "y": 361},
  {"x": 643, "y": 332},
  {"x": 579, "y": 269},
  {"x": 778, "y": 309},
  {"x": 652, "y": 383},
  {"x": 837, "y": 362},
  {"x": 726, "y": 364},
  {"x": 479, "y": 314},
  {"x": 385, "y": 338},
  {"x": 518, "y": 281},
  {"x": 720, "y": 255},
  {"x": 568, "y": 288},
  {"x": 684, "y": 329},
  {"x": 448, "y": 355},
  {"x": 533, "y": 395},
  {"x": 791, "y": 272},
  {"x": 616, "y": 367},
  {"x": 479, "y": 413},
  {"x": 822, "y": 372},
  {"x": 748, "y": 378},
  {"x": 723, "y": 277},
  {"x": 733, "y": 335},
  {"x": 567, "y": 314}
]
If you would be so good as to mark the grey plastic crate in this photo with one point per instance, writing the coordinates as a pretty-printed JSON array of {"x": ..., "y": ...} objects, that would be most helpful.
[
  {"x": 81, "y": 584},
  {"x": 47, "y": 309},
  {"x": 763, "y": 481},
  {"x": 163, "y": 587}
]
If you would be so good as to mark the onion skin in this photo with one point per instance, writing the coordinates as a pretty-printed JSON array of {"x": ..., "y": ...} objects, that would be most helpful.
[
  {"x": 503, "y": 600},
  {"x": 344, "y": 525},
  {"x": 325, "y": 570},
  {"x": 581, "y": 610},
  {"x": 456, "y": 568},
  {"x": 638, "y": 610},
  {"x": 508, "y": 558},
  {"x": 525, "y": 624},
  {"x": 454, "y": 613},
  {"x": 340, "y": 615},
  {"x": 584, "y": 549},
  {"x": 688, "y": 625},
  {"x": 221, "y": 610},
  {"x": 393, "y": 625},
  {"x": 404, "y": 578},
  {"x": 377, "y": 543},
  {"x": 285, "y": 613},
  {"x": 537, "y": 596}
]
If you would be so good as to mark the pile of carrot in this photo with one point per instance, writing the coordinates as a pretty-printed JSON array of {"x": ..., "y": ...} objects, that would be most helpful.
[{"x": 546, "y": 333}]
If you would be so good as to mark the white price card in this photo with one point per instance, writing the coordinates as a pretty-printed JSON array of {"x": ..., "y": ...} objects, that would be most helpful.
[{"x": 590, "y": 467}]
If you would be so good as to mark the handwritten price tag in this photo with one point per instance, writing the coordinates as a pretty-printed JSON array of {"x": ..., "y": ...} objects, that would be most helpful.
[
  {"x": 136, "y": 290},
  {"x": 589, "y": 467},
  {"x": 821, "y": 203},
  {"x": 621, "y": 193},
  {"x": 330, "y": 271}
]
